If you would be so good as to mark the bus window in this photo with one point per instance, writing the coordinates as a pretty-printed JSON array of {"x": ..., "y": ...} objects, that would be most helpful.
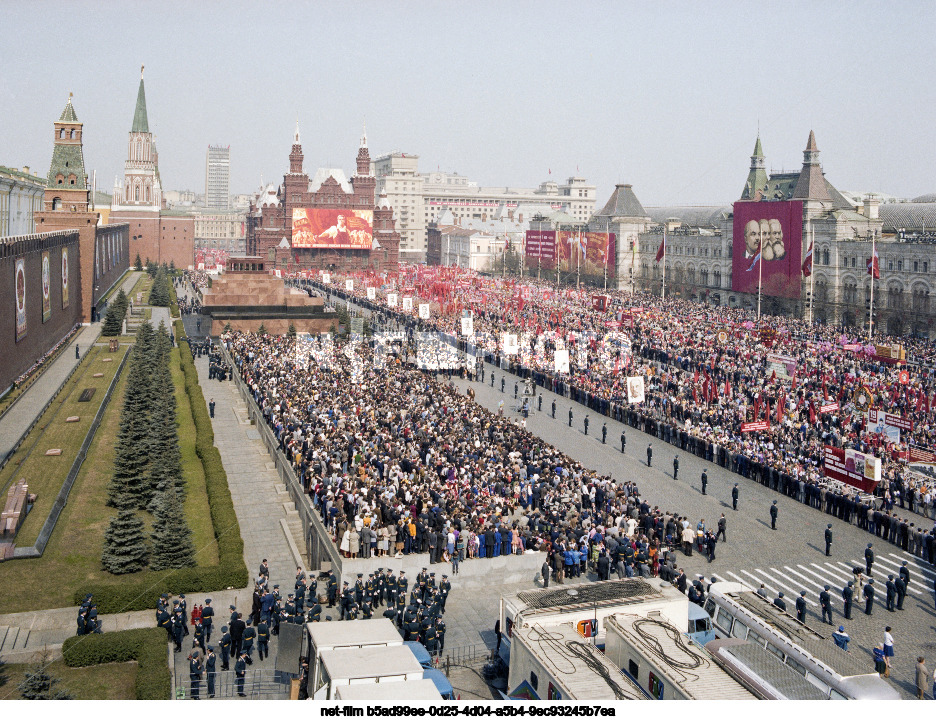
[
  {"x": 710, "y": 607},
  {"x": 739, "y": 630},
  {"x": 796, "y": 666},
  {"x": 836, "y": 696},
  {"x": 723, "y": 620},
  {"x": 775, "y": 651},
  {"x": 756, "y": 638}
]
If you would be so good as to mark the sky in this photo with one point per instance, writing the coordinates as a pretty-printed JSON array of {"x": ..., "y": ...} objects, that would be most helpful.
[{"x": 666, "y": 96}]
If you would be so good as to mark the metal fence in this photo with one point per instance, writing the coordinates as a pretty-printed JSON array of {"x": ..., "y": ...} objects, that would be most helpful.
[
  {"x": 258, "y": 684},
  {"x": 319, "y": 544},
  {"x": 461, "y": 655}
]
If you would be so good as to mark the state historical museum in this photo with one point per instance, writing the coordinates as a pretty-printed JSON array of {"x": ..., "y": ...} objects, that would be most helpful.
[{"x": 328, "y": 223}]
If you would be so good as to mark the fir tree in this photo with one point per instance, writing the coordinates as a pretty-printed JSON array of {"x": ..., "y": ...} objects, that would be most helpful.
[
  {"x": 138, "y": 265},
  {"x": 291, "y": 332},
  {"x": 151, "y": 268},
  {"x": 39, "y": 684},
  {"x": 227, "y": 327},
  {"x": 128, "y": 487},
  {"x": 171, "y": 539},
  {"x": 262, "y": 330},
  {"x": 163, "y": 436},
  {"x": 113, "y": 321},
  {"x": 125, "y": 548}
]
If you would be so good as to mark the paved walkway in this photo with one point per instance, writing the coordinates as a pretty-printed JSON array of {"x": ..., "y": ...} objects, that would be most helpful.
[{"x": 25, "y": 409}]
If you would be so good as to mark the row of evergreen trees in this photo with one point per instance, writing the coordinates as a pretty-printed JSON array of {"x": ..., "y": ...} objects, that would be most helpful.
[
  {"x": 148, "y": 466},
  {"x": 116, "y": 311},
  {"x": 160, "y": 293}
]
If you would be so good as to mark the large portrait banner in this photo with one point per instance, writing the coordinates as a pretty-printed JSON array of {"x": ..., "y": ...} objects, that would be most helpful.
[
  {"x": 332, "y": 228},
  {"x": 19, "y": 282},
  {"x": 767, "y": 247}
]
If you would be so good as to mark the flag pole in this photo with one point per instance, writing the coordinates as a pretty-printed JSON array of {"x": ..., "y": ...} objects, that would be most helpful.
[
  {"x": 760, "y": 271},
  {"x": 578, "y": 261},
  {"x": 663, "y": 290},
  {"x": 812, "y": 268},
  {"x": 871, "y": 306}
]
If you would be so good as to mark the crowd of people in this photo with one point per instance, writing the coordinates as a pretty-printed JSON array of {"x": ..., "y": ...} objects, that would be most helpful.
[{"x": 705, "y": 369}]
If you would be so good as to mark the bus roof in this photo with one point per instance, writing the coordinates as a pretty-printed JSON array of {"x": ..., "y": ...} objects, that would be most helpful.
[
  {"x": 369, "y": 632},
  {"x": 374, "y": 662},
  {"x": 420, "y": 690},
  {"x": 766, "y": 666}
]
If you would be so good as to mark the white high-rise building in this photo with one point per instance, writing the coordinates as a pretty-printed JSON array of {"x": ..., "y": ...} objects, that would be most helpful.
[
  {"x": 420, "y": 198},
  {"x": 218, "y": 177}
]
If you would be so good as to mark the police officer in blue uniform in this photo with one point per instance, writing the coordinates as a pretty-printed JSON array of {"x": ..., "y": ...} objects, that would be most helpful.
[
  {"x": 801, "y": 607},
  {"x": 828, "y": 540}
]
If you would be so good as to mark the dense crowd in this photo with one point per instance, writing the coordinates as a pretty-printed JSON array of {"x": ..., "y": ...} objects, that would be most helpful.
[{"x": 705, "y": 369}]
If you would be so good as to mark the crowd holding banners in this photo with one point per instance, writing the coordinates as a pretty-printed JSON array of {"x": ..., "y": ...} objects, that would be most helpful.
[{"x": 706, "y": 372}]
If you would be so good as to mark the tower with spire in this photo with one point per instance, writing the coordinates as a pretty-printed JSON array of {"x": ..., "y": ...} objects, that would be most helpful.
[
  {"x": 364, "y": 182},
  {"x": 756, "y": 183},
  {"x": 141, "y": 188},
  {"x": 67, "y": 181},
  {"x": 811, "y": 184}
]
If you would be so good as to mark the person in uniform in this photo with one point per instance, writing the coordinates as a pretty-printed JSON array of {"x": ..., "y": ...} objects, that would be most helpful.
[
  {"x": 315, "y": 613},
  {"x": 779, "y": 602},
  {"x": 675, "y": 466},
  {"x": 183, "y": 607},
  {"x": 346, "y": 598},
  {"x": 848, "y": 595},
  {"x": 585, "y": 423},
  {"x": 225, "y": 648},
  {"x": 900, "y": 586},
  {"x": 604, "y": 432},
  {"x": 869, "y": 596},
  {"x": 623, "y": 437},
  {"x": 240, "y": 671},
  {"x": 801, "y": 607},
  {"x": 237, "y": 634},
  {"x": 195, "y": 673},
  {"x": 891, "y": 590},
  {"x": 178, "y": 630},
  {"x": 502, "y": 383},
  {"x": 722, "y": 525},
  {"x": 440, "y": 633},
  {"x": 391, "y": 584},
  {"x": 199, "y": 636},
  {"x": 828, "y": 540},
  {"x": 445, "y": 587},
  {"x": 431, "y": 641},
  {"x": 367, "y": 612},
  {"x": 250, "y": 633},
  {"x": 554, "y": 408},
  {"x": 210, "y": 663},
  {"x": 331, "y": 588},
  {"x": 649, "y": 454},
  {"x": 704, "y": 481},
  {"x": 263, "y": 638},
  {"x": 207, "y": 615},
  {"x": 359, "y": 589},
  {"x": 869, "y": 558},
  {"x": 734, "y": 497},
  {"x": 825, "y": 603},
  {"x": 570, "y": 417}
]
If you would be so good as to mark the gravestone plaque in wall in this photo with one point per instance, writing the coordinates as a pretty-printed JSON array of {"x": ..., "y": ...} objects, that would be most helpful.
[{"x": 86, "y": 395}]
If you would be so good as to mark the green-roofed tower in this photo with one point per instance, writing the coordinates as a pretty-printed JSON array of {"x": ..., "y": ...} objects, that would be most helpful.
[
  {"x": 140, "y": 123},
  {"x": 140, "y": 188},
  {"x": 757, "y": 176},
  {"x": 67, "y": 175}
]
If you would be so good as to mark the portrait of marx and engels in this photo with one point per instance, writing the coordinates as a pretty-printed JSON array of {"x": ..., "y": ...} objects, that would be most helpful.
[{"x": 766, "y": 232}]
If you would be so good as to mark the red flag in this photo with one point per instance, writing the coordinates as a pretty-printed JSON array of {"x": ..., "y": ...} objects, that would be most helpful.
[
  {"x": 919, "y": 405},
  {"x": 757, "y": 408},
  {"x": 781, "y": 403},
  {"x": 773, "y": 377},
  {"x": 793, "y": 383},
  {"x": 661, "y": 251},
  {"x": 874, "y": 265},
  {"x": 812, "y": 413},
  {"x": 807, "y": 263},
  {"x": 695, "y": 378},
  {"x": 728, "y": 388},
  {"x": 767, "y": 414},
  {"x": 825, "y": 391}
]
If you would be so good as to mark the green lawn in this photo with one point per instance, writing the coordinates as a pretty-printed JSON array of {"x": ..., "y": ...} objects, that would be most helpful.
[
  {"x": 73, "y": 556},
  {"x": 143, "y": 285},
  {"x": 105, "y": 682},
  {"x": 45, "y": 474}
]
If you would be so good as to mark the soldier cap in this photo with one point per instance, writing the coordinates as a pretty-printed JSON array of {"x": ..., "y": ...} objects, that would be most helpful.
[{"x": 827, "y": 587}]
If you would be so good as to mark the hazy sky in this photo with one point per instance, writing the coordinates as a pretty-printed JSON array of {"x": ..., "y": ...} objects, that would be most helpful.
[{"x": 666, "y": 96}]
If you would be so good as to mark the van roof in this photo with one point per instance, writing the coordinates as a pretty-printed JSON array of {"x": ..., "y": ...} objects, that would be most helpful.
[
  {"x": 420, "y": 690},
  {"x": 369, "y": 632},
  {"x": 373, "y": 662}
]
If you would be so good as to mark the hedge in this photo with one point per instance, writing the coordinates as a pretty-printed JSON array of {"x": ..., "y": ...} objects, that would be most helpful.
[
  {"x": 146, "y": 646},
  {"x": 231, "y": 572}
]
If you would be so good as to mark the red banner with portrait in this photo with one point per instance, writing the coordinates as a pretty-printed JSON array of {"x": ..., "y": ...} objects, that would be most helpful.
[
  {"x": 767, "y": 247},
  {"x": 332, "y": 228}
]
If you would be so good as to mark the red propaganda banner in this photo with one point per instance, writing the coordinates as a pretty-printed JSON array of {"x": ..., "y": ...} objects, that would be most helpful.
[
  {"x": 889, "y": 419},
  {"x": 828, "y": 407},
  {"x": 332, "y": 228},
  {"x": 592, "y": 251},
  {"x": 541, "y": 248},
  {"x": 916, "y": 454},
  {"x": 600, "y": 302},
  {"x": 903, "y": 377},
  {"x": 754, "y": 426},
  {"x": 767, "y": 243},
  {"x": 852, "y": 467},
  {"x": 612, "y": 324}
]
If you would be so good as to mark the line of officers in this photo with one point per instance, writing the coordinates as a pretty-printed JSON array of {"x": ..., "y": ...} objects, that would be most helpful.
[
  {"x": 419, "y": 620},
  {"x": 895, "y": 590}
]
